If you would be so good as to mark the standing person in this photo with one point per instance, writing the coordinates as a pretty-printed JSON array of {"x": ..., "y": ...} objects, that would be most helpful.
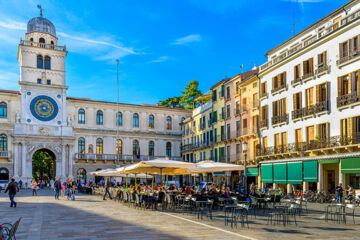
[
  {"x": 339, "y": 193},
  {"x": 52, "y": 183},
  {"x": 34, "y": 186},
  {"x": 63, "y": 190},
  {"x": 20, "y": 184},
  {"x": 107, "y": 185},
  {"x": 57, "y": 187},
  {"x": 69, "y": 188},
  {"x": 13, "y": 189}
]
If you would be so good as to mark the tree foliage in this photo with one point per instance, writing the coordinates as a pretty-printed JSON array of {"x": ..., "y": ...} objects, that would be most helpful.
[
  {"x": 186, "y": 100},
  {"x": 43, "y": 165}
]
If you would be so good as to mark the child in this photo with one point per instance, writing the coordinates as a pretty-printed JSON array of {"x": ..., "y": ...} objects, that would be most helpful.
[
  {"x": 73, "y": 193},
  {"x": 63, "y": 190}
]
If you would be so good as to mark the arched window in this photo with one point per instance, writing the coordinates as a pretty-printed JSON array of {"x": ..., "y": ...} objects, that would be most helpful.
[
  {"x": 99, "y": 117},
  {"x": 118, "y": 147},
  {"x": 40, "y": 62},
  {"x": 81, "y": 143},
  {"x": 81, "y": 116},
  {"x": 151, "y": 121},
  {"x": 119, "y": 119},
  {"x": 41, "y": 40},
  {"x": 3, "y": 110},
  {"x": 136, "y": 120},
  {"x": 47, "y": 63},
  {"x": 136, "y": 148},
  {"x": 99, "y": 146},
  {"x": 168, "y": 149},
  {"x": 168, "y": 123},
  {"x": 3, "y": 143},
  {"x": 52, "y": 44},
  {"x": 151, "y": 149},
  {"x": 91, "y": 149}
]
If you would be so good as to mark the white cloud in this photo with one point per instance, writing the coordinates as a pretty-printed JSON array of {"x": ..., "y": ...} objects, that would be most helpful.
[
  {"x": 14, "y": 25},
  {"x": 187, "y": 39},
  {"x": 160, "y": 59}
]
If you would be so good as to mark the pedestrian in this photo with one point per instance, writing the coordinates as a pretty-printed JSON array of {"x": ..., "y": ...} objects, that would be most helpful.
[
  {"x": 12, "y": 188},
  {"x": 339, "y": 193},
  {"x": 52, "y": 183},
  {"x": 42, "y": 184},
  {"x": 107, "y": 186},
  {"x": 57, "y": 187},
  {"x": 20, "y": 184},
  {"x": 69, "y": 188},
  {"x": 34, "y": 187},
  {"x": 63, "y": 190}
]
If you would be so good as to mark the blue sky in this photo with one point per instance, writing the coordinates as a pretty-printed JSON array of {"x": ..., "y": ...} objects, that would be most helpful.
[{"x": 162, "y": 44}]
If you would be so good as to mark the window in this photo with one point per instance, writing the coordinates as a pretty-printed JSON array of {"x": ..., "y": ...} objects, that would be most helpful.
[
  {"x": 136, "y": 120},
  {"x": 228, "y": 92},
  {"x": 151, "y": 121},
  {"x": 309, "y": 97},
  {"x": 279, "y": 81},
  {"x": 344, "y": 49},
  {"x": 244, "y": 125},
  {"x": 322, "y": 131},
  {"x": 279, "y": 107},
  {"x": 298, "y": 138},
  {"x": 99, "y": 146},
  {"x": 3, "y": 110},
  {"x": 297, "y": 101},
  {"x": 136, "y": 148},
  {"x": 151, "y": 149},
  {"x": 228, "y": 131},
  {"x": 214, "y": 96},
  {"x": 168, "y": 149},
  {"x": 81, "y": 145},
  {"x": 41, "y": 40},
  {"x": 169, "y": 124},
  {"x": 99, "y": 117},
  {"x": 308, "y": 67},
  {"x": 118, "y": 147},
  {"x": 40, "y": 63},
  {"x": 3, "y": 143},
  {"x": 263, "y": 89},
  {"x": 309, "y": 134},
  {"x": 349, "y": 84},
  {"x": 47, "y": 62},
  {"x": 119, "y": 121},
  {"x": 297, "y": 74},
  {"x": 48, "y": 82},
  {"x": 39, "y": 81},
  {"x": 321, "y": 93},
  {"x": 222, "y": 90},
  {"x": 81, "y": 116},
  {"x": 322, "y": 59}
]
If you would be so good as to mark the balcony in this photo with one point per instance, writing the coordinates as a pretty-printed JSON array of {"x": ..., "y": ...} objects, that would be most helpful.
[
  {"x": 308, "y": 110},
  {"x": 322, "y": 106},
  {"x": 279, "y": 119},
  {"x": 307, "y": 76},
  {"x": 278, "y": 89},
  {"x": 263, "y": 123},
  {"x": 263, "y": 95},
  {"x": 237, "y": 111},
  {"x": 244, "y": 108},
  {"x": 42, "y": 45},
  {"x": 248, "y": 131},
  {"x": 355, "y": 55},
  {"x": 347, "y": 100},
  {"x": 5, "y": 155},
  {"x": 345, "y": 21},
  {"x": 255, "y": 104},
  {"x": 322, "y": 69},
  {"x": 115, "y": 157},
  {"x": 296, "y": 81},
  {"x": 298, "y": 113}
]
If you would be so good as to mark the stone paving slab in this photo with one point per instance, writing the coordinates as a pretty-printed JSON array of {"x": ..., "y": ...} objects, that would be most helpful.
[{"x": 89, "y": 217}]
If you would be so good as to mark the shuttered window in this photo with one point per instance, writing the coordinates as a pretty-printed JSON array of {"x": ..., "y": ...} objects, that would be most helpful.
[
  {"x": 309, "y": 134},
  {"x": 309, "y": 94}
]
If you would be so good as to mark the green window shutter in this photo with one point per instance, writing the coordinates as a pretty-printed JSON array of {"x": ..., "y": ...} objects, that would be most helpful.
[
  {"x": 295, "y": 172},
  {"x": 310, "y": 171},
  {"x": 280, "y": 173},
  {"x": 215, "y": 155},
  {"x": 267, "y": 173},
  {"x": 350, "y": 165}
]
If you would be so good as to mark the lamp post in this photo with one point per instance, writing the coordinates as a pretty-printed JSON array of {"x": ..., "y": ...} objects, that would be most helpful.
[{"x": 244, "y": 148}]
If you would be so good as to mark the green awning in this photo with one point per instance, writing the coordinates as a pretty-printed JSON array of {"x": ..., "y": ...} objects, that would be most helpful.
[
  {"x": 310, "y": 171},
  {"x": 267, "y": 173},
  {"x": 280, "y": 173},
  {"x": 295, "y": 173},
  {"x": 350, "y": 165},
  {"x": 329, "y": 161},
  {"x": 252, "y": 172}
]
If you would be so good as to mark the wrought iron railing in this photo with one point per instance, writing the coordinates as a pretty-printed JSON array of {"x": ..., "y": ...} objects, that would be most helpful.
[
  {"x": 279, "y": 119},
  {"x": 263, "y": 123},
  {"x": 351, "y": 56},
  {"x": 297, "y": 113},
  {"x": 347, "y": 99},
  {"x": 42, "y": 45},
  {"x": 278, "y": 88}
]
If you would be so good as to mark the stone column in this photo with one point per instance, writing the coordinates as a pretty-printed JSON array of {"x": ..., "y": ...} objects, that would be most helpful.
[
  {"x": 23, "y": 160},
  {"x": 274, "y": 186},
  {"x": 70, "y": 174},
  {"x": 289, "y": 188},
  {"x": 320, "y": 184},
  {"x": 305, "y": 186},
  {"x": 63, "y": 161},
  {"x": 341, "y": 175},
  {"x": 16, "y": 174}
]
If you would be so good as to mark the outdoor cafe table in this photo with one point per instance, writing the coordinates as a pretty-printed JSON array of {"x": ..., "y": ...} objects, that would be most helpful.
[{"x": 339, "y": 208}]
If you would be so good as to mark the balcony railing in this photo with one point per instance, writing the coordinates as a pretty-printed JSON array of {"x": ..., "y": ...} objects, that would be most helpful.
[
  {"x": 279, "y": 119},
  {"x": 264, "y": 95},
  {"x": 5, "y": 155},
  {"x": 322, "y": 69},
  {"x": 322, "y": 106},
  {"x": 263, "y": 123},
  {"x": 115, "y": 157},
  {"x": 307, "y": 76},
  {"x": 351, "y": 56},
  {"x": 278, "y": 88},
  {"x": 347, "y": 99},
  {"x": 296, "y": 81},
  {"x": 255, "y": 103},
  {"x": 345, "y": 21},
  {"x": 42, "y": 45},
  {"x": 237, "y": 111},
  {"x": 308, "y": 110},
  {"x": 297, "y": 113},
  {"x": 248, "y": 131},
  {"x": 301, "y": 147}
]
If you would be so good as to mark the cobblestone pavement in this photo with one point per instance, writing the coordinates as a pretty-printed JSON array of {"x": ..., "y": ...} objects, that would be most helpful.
[{"x": 89, "y": 217}]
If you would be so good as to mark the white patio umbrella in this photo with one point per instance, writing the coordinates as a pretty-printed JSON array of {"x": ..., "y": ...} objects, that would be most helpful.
[{"x": 211, "y": 166}]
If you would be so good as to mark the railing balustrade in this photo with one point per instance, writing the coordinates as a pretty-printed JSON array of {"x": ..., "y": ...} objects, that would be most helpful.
[
  {"x": 347, "y": 99},
  {"x": 42, "y": 45}
]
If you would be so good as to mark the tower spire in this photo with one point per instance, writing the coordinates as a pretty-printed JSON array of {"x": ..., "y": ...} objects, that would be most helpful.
[{"x": 39, "y": 7}]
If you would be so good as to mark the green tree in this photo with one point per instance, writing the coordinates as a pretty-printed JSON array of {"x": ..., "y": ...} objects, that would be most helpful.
[
  {"x": 171, "y": 102},
  {"x": 190, "y": 93},
  {"x": 43, "y": 165}
]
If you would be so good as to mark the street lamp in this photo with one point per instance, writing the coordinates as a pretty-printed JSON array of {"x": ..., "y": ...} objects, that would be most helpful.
[{"x": 244, "y": 148}]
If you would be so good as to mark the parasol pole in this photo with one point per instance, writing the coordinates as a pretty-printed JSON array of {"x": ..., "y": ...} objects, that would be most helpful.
[
  {"x": 126, "y": 181},
  {"x": 135, "y": 179}
]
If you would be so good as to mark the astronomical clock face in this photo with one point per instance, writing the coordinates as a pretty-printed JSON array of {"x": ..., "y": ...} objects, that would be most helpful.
[{"x": 44, "y": 108}]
